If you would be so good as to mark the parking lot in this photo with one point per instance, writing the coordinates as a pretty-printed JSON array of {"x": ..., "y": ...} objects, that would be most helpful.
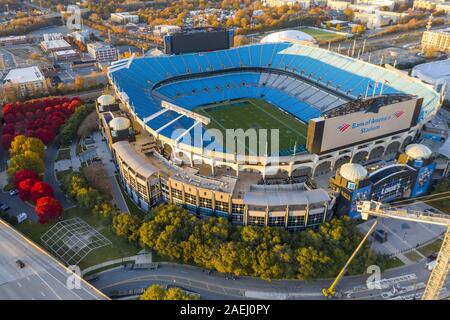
[{"x": 403, "y": 235}]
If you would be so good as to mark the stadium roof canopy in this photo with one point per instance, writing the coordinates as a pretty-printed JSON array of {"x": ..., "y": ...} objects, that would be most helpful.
[
  {"x": 293, "y": 36},
  {"x": 106, "y": 100},
  {"x": 283, "y": 198},
  {"x": 353, "y": 171},
  {"x": 119, "y": 123},
  {"x": 134, "y": 159},
  {"x": 418, "y": 151}
]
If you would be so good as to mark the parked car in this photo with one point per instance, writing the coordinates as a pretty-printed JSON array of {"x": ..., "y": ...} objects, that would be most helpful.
[
  {"x": 14, "y": 192},
  {"x": 4, "y": 207},
  {"x": 430, "y": 265},
  {"x": 20, "y": 264},
  {"x": 432, "y": 257},
  {"x": 380, "y": 235}
]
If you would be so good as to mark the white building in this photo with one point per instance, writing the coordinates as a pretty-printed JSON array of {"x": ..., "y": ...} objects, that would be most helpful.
[
  {"x": 377, "y": 18},
  {"x": 124, "y": 17},
  {"x": 436, "y": 73},
  {"x": 102, "y": 52},
  {"x": 164, "y": 29},
  {"x": 81, "y": 36},
  {"x": 379, "y": 3},
  {"x": 52, "y": 36},
  {"x": 65, "y": 55},
  {"x": 304, "y": 4},
  {"x": 25, "y": 81},
  {"x": 436, "y": 39},
  {"x": 338, "y": 4},
  {"x": 12, "y": 40},
  {"x": 428, "y": 4},
  {"x": 445, "y": 6},
  {"x": 53, "y": 45}
]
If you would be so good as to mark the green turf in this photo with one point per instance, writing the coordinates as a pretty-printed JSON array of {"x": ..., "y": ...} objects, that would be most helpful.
[
  {"x": 320, "y": 35},
  {"x": 258, "y": 114},
  {"x": 430, "y": 248}
]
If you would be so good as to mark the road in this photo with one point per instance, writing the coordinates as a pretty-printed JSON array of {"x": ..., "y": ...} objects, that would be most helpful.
[
  {"x": 42, "y": 278},
  {"x": 217, "y": 286},
  {"x": 50, "y": 178},
  {"x": 18, "y": 206}
]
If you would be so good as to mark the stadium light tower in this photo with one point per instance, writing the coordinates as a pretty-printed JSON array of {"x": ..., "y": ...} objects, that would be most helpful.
[{"x": 440, "y": 271}]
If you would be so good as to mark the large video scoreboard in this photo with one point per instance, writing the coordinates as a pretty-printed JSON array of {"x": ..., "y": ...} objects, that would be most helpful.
[
  {"x": 338, "y": 132},
  {"x": 198, "y": 40}
]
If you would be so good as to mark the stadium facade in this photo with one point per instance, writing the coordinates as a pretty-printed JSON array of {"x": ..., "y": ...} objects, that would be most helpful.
[{"x": 354, "y": 111}]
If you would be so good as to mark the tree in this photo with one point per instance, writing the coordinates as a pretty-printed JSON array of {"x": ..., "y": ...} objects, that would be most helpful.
[
  {"x": 97, "y": 177},
  {"x": 48, "y": 209},
  {"x": 240, "y": 40},
  {"x": 21, "y": 144},
  {"x": 45, "y": 135},
  {"x": 29, "y": 160},
  {"x": 40, "y": 190},
  {"x": 79, "y": 82},
  {"x": 126, "y": 225},
  {"x": 25, "y": 187},
  {"x": 88, "y": 125},
  {"x": 23, "y": 175},
  {"x": 156, "y": 292},
  {"x": 349, "y": 13}
]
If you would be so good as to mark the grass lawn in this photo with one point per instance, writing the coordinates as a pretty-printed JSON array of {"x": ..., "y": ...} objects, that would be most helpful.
[
  {"x": 321, "y": 35},
  {"x": 413, "y": 256},
  {"x": 118, "y": 249},
  {"x": 442, "y": 204},
  {"x": 430, "y": 248},
  {"x": 256, "y": 114},
  {"x": 394, "y": 262},
  {"x": 61, "y": 174},
  {"x": 63, "y": 154}
]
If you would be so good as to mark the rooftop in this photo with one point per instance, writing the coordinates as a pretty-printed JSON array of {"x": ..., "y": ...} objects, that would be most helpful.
[
  {"x": 282, "y": 198},
  {"x": 24, "y": 75},
  {"x": 55, "y": 44}
]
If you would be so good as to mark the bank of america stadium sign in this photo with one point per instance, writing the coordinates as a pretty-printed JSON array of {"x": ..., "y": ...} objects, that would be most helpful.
[{"x": 370, "y": 124}]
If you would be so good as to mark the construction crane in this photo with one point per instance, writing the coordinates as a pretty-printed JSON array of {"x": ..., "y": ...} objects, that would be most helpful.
[
  {"x": 440, "y": 271},
  {"x": 331, "y": 291}
]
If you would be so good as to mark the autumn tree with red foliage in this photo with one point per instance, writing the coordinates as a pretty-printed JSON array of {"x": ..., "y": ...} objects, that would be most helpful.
[
  {"x": 47, "y": 209},
  {"x": 36, "y": 118},
  {"x": 24, "y": 174},
  {"x": 40, "y": 190},
  {"x": 25, "y": 187}
]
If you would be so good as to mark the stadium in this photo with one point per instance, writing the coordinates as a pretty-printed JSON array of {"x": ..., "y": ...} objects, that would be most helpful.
[
  {"x": 328, "y": 109},
  {"x": 287, "y": 86}
]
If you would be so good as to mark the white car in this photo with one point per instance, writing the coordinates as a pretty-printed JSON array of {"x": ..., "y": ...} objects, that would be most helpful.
[
  {"x": 22, "y": 217},
  {"x": 430, "y": 265},
  {"x": 13, "y": 192}
]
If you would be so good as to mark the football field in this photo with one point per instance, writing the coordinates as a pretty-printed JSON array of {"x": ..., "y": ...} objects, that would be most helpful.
[{"x": 257, "y": 114}]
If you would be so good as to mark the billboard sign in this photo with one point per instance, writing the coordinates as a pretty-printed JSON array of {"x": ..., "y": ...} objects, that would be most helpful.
[
  {"x": 423, "y": 180},
  {"x": 358, "y": 127},
  {"x": 200, "y": 41},
  {"x": 359, "y": 195}
]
